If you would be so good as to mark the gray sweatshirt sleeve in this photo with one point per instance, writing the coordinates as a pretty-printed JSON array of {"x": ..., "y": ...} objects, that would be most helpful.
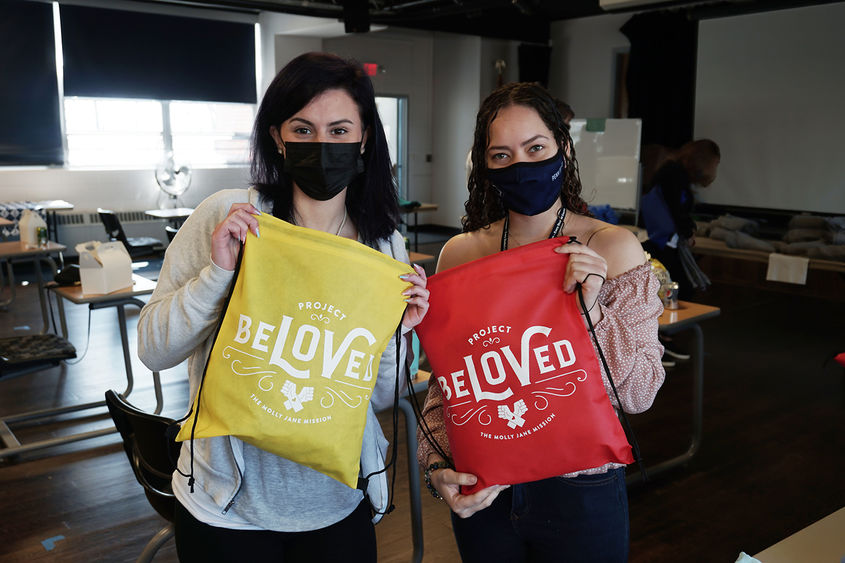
[
  {"x": 383, "y": 393},
  {"x": 183, "y": 311}
]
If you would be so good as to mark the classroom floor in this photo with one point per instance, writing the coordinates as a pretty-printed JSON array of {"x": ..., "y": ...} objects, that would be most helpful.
[{"x": 774, "y": 443}]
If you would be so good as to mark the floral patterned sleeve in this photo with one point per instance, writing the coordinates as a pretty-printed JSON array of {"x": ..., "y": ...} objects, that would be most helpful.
[
  {"x": 627, "y": 334},
  {"x": 433, "y": 424}
]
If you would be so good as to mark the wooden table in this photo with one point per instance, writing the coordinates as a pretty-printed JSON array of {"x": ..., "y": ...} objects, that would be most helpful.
[
  {"x": 118, "y": 299},
  {"x": 17, "y": 251},
  {"x": 417, "y": 257},
  {"x": 820, "y": 542},
  {"x": 421, "y": 208},
  {"x": 686, "y": 317}
]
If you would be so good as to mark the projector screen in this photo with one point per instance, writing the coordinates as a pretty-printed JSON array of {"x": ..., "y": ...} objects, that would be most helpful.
[{"x": 770, "y": 90}]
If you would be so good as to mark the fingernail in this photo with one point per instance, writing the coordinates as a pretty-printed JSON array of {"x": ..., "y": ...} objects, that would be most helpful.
[
  {"x": 404, "y": 276},
  {"x": 257, "y": 234}
]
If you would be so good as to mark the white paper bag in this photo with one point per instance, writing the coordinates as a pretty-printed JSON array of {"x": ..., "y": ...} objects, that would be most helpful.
[
  {"x": 28, "y": 226},
  {"x": 104, "y": 267}
]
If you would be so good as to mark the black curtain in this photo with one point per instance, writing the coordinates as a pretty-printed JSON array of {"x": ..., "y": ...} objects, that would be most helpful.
[
  {"x": 30, "y": 122},
  {"x": 114, "y": 53},
  {"x": 534, "y": 63},
  {"x": 661, "y": 75}
]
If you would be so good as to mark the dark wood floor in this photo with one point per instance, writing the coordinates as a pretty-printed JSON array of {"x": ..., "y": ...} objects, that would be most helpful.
[{"x": 774, "y": 444}]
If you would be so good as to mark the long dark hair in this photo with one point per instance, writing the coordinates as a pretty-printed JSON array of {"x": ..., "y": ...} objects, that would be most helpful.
[
  {"x": 484, "y": 205},
  {"x": 371, "y": 198}
]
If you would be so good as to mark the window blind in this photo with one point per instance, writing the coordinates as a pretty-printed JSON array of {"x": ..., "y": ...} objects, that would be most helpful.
[
  {"x": 116, "y": 53},
  {"x": 30, "y": 122}
]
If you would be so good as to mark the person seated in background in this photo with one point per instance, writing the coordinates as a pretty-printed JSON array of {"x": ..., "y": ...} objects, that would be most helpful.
[
  {"x": 666, "y": 208},
  {"x": 566, "y": 111}
]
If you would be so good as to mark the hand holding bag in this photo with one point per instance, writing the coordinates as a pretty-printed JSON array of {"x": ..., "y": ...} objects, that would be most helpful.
[
  {"x": 296, "y": 357},
  {"x": 522, "y": 389}
]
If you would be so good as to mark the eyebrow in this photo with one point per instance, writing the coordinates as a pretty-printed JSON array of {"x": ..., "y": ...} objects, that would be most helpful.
[
  {"x": 338, "y": 122},
  {"x": 524, "y": 143}
]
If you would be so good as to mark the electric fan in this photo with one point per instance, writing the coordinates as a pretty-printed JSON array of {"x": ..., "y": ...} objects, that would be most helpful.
[{"x": 172, "y": 179}]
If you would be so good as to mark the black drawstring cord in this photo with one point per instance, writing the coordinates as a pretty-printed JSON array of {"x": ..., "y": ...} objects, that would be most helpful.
[
  {"x": 630, "y": 431},
  {"x": 392, "y": 462},
  {"x": 422, "y": 425},
  {"x": 196, "y": 406}
]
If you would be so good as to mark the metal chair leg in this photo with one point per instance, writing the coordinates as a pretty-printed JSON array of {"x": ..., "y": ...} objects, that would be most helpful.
[{"x": 155, "y": 543}]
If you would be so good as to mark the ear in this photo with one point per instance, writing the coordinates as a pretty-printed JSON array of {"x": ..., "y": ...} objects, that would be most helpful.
[
  {"x": 277, "y": 138},
  {"x": 364, "y": 138}
]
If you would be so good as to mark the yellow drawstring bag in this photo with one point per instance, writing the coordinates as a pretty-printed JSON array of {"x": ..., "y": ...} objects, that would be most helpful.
[{"x": 296, "y": 356}]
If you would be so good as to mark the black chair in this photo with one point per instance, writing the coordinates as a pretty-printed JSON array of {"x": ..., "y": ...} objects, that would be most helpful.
[
  {"x": 136, "y": 246},
  {"x": 152, "y": 455},
  {"x": 171, "y": 232}
]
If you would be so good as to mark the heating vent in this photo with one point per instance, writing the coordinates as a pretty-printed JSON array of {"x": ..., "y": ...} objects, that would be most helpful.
[
  {"x": 71, "y": 219},
  {"x": 126, "y": 217}
]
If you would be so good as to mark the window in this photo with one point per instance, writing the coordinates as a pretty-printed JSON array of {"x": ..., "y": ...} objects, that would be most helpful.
[
  {"x": 211, "y": 133},
  {"x": 119, "y": 132},
  {"x": 393, "y": 114}
]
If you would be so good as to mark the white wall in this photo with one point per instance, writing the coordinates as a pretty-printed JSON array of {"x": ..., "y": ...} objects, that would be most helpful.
[
  {"x": 287, "y": 48},
  {"x": 406, "y": 59},
  {"x": 457, "y": 84},
  {"x": 581, "y": 67},
  {"x": 119, "y": 190},
  {"x": 491, "y": 51}
]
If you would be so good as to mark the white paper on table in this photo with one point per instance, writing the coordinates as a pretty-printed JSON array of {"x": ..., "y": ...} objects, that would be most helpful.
[{"x": 787, "y": 269}]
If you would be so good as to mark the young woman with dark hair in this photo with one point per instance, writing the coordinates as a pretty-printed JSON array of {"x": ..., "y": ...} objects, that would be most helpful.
[
  {"x": 319, "y": 160},
  {"x": 372, "y": 195},
  {"x": 524, "y": 187}
]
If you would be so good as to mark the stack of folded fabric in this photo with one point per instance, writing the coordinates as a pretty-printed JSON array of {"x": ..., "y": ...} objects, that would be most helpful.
[
  {"x": 807, "y": 235},
  {"x": 815, "y": 237},
  {"x": 738, "y": 232}
]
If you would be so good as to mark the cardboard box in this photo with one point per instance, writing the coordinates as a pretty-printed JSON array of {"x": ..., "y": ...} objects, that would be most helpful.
[{"x": 104, "y": 267}]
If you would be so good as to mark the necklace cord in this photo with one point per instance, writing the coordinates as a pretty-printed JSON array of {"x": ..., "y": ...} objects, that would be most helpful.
[{"x": 294, "y": 213}]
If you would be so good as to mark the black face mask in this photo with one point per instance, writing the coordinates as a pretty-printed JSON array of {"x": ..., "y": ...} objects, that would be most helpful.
[{"x": 323, "y": 170}]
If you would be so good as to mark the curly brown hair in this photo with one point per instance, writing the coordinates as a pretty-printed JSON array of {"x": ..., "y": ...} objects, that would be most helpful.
[{"x": 484, "y": 205}]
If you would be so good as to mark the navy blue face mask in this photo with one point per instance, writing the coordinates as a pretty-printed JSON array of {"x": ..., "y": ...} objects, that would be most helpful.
[{"x": 529, "y": 188}]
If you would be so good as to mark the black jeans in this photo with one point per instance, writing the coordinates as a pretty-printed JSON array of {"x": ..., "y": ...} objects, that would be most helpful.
[
  {"x": 563, "y": 520},
  {"x": 353, "y": 539}
]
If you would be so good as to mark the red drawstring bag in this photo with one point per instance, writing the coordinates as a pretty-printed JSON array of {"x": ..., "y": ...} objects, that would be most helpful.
[{"x": 522, "y": 389}]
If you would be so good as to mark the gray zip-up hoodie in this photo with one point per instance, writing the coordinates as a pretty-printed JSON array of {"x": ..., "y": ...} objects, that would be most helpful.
[{"x": 238, "y": 485}]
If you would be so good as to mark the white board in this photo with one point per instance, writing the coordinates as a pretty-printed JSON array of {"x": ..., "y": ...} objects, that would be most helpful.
[{"x": 608, "y": 153}]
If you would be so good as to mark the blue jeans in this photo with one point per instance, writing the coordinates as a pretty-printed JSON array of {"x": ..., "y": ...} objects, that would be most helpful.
[{"x": 580, "y": 519}]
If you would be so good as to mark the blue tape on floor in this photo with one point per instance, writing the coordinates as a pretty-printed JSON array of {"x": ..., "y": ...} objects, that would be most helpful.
[{"x": 50, "y": 543}]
